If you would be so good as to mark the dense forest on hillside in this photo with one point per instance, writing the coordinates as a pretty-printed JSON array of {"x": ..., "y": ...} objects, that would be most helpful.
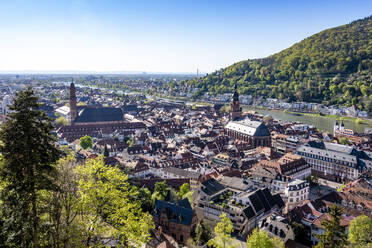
[{"x": 331, "y": 67}]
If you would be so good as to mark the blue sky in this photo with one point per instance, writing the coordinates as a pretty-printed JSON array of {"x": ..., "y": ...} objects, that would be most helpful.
[{"x": 158, "y": 36}]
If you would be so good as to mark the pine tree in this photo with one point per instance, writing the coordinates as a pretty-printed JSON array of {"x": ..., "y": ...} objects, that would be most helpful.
[
  {"x": 334, "y": 236},
  {"x": 106, "y": 152},
  {"x": 27, "y": 170}
]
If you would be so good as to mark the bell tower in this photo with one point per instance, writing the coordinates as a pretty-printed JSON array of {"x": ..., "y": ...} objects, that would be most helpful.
[
  {"x": 235, "y": 109},
  {"x": 73, "y": 108}
]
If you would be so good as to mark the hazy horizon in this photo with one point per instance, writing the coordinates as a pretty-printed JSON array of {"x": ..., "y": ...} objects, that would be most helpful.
[{"x": 158, "y": 36}]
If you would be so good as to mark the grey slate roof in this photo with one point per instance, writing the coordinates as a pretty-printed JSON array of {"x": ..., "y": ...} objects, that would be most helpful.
[
  {"x": 176, "y": 213},
  {"x": 100, "y": 114},
  {"x": 256, "y": 203},
  {"x": 211, "y": 186},
  {"x": 335, "y": 151},
  {"x": 263, "y": 200},
  {"x": 278, "y": 200},
  {"x": 252, "y": 128},
  {"x": 249, "y": 213}
]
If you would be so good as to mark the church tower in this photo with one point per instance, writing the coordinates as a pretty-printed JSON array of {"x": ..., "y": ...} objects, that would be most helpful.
[
  {"x": 236, "y": 110},
  {"x": 73, "y": 108}
]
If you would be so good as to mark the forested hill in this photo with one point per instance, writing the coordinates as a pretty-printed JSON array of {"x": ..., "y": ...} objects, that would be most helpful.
[{"x": 330, "y": 67}]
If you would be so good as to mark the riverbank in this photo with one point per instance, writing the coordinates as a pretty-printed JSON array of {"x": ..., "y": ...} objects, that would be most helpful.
[
  {"x": 335, "y": 117},
  {"x": 357, "y": 120}
]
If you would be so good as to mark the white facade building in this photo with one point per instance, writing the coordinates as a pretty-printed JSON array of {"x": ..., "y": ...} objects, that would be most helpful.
[{"x": 297, "y": 192}]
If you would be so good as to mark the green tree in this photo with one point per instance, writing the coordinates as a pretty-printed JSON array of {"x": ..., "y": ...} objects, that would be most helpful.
[
  {"x": 344, "y": 141},
  {"x": 86, "y": 142},
  {"x": 109, "y": 206},
  {"x": 300, "y": 232},
  {"x": 203, "y": 233},
  {"x": 334, "y": 236},
  {"x": 62, "y": 207},
  {"x": 144, "y": 197},
  {"x": 184, "y": 189},
  {"x": 360, "y": 232},
  {"x": 223, "y": 231},
  {"x": 28, "y": 170},
  {"x": 190, "y": 196},
  {"x": 61, "y": 121},
  {"x": 106, "y": 152},
  {"x": 129, "y": 143},
  {"x": 260, "y": 239},
  {"x": 160, "y": 190},
  {"x": 310, "y": 70}
]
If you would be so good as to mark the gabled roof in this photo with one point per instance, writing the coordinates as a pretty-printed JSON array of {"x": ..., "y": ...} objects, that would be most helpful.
[
  {"x": 263, "y": 200},
  {"x": 100, "y": 114},
  {"x": 176, "y": 213},
  {"x": 278, "y": 200},
  {"x": 184, "y": 203},
  {"x": 251, "y": 128},
  {"x": 268, "y": 196},
  {"x": 211, "y": 186},
  {"x": 249, "y": 213},
  {"x": 256, "y": 203}
]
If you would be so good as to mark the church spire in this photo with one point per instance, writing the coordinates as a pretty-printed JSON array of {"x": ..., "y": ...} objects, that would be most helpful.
[
  {"x": 73, "y": 107},
  {"x": 235, "y": 111},
  {"x": 236, "y": 94}
]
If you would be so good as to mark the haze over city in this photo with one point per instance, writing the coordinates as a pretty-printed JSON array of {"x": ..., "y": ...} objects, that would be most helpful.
[{"x": 158, "y": 36}]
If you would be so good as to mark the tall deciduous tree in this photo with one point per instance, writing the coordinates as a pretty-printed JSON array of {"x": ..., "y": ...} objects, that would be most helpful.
[
  {"x": 334, "y": 236},
  {"x": 223, "y": 231},
  {"x": 86, "y": 142},
  {"x": 65, "y": 229},
  {"x": 360, "y": 232},
  {"x": 160, "y": 191},
  {"x": 29, "y": 153},
  {"x": 185, "y": 188},
  {"x": 109, "y": 206},
  {"x": 61, "y": 121},
  {"x": 203, "y": 233},
  {"x": 260, "y": 239}
]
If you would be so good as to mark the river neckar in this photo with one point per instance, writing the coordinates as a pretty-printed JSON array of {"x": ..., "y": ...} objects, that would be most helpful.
[{"x": 324, "y": 123}]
